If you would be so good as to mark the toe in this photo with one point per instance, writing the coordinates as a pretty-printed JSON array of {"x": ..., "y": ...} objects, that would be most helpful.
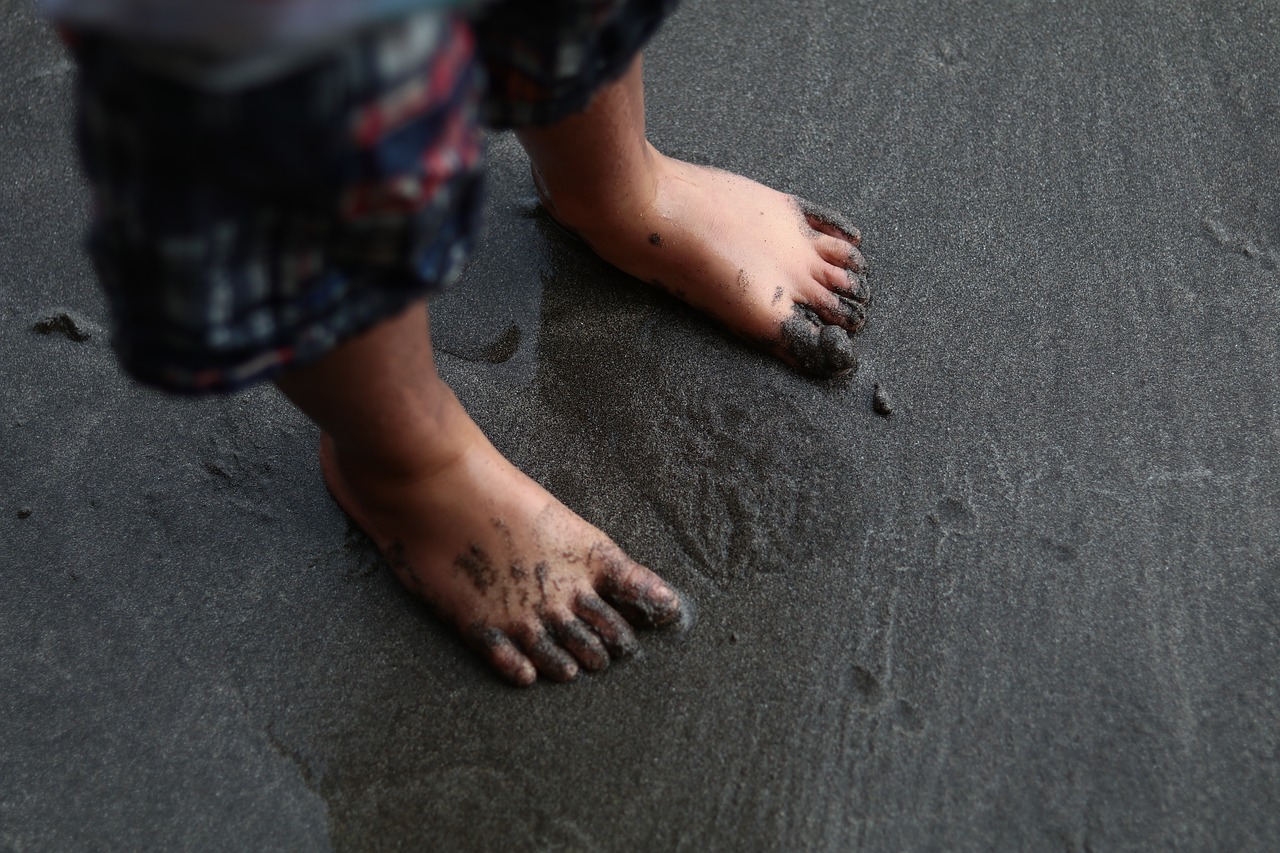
[
  {"x": 837, "y": 349},
  {"x": 618, "y": 638},
  {"x": 830, "y": 222},
  {"x": 552, "y": 661},
  {"x": 845, "y": 282},
  {"x": 836, "y": 309},
  {"x": 502, "y": 654},
  {"x": 855, "y": 314},
  {"x": 799, "y": 338},
  {"x": 643, "y": 597},
  {"x": 840, "y": 253},
  {"x": 860, "y": 290},
  {"x": 818, "y": 348},
  {"x": 581, "y": 641}
]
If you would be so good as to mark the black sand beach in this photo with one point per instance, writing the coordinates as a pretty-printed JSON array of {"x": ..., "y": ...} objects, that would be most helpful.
[{"x": 1034, "y": 608}]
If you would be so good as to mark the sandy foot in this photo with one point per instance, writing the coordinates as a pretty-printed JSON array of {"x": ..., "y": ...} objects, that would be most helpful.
[
  {"x": 533, "y": 588},
  {"x": 779, "y": 271}
]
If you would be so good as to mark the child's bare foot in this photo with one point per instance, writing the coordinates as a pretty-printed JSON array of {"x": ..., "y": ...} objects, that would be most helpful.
[
  {"x": 779, "y": 271},
  {"x": 531, "y": 586}
]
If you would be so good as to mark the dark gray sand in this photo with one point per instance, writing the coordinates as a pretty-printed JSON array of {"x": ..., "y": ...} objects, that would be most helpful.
[{"x": 1035, "y": 609}]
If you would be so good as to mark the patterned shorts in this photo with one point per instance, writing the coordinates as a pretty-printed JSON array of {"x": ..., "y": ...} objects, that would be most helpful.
[{"x": 240, "y": 233}]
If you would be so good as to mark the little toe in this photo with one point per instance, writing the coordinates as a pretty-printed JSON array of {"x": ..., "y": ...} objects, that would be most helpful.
[
  {"x": 502, "y": 654},
  {"x": 830, "y": 222},
  {"x": 840, "y": 252},
  {"x": 642, "y": 597},
  {"x": 616, "y": 634},
  {"x": 581, "y": 641},
  {"x": 551, "y": 660}
]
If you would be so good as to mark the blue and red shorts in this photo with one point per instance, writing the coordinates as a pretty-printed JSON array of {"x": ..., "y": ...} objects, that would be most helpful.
[{"x": 239, "y": 233}]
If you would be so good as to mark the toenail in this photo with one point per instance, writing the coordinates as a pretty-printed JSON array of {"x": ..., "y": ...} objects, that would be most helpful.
[
  {"x": 526, "y": 675},
  {"x": 859, "y": 290},
  {"x": 663, "y": 605},
  {"x": 854, "y": 313},
  {"x": 664, "y": 594}
]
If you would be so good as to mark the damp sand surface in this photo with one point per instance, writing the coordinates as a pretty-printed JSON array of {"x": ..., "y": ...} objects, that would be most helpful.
[{"x": 1032, "y": 609}]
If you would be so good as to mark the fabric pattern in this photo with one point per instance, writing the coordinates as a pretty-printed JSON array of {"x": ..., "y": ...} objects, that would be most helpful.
[
  {"x": 239, "y": 233},
  {"x": 232, "y": 27},
  {"x": 236, "y": 234},
  {"x": 545, "y": 65}
]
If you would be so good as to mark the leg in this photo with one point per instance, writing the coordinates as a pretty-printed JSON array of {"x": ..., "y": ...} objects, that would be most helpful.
[
  {"x": 387, "y": 213},
  {"x": 777, "y": 270},
  {"x": 524, "y": 578}
]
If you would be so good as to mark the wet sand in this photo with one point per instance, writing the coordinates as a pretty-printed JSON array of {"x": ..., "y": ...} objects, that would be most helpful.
[{"x": 1034, "y": 608}]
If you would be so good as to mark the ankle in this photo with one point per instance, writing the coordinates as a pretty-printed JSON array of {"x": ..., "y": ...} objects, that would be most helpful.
[
  {"x": 601, "y": 205},
  {"x": 409, "y": 448}
]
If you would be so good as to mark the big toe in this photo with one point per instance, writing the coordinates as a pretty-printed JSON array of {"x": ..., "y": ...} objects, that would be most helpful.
[
  {"x": 640, "y": 595},
  {"x": 821, "y": 349}
]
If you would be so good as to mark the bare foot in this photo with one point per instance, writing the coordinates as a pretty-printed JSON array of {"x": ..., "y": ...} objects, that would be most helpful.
[
  {"x": 531, "y": 586},
  {"x": 777, "y": 270}
]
